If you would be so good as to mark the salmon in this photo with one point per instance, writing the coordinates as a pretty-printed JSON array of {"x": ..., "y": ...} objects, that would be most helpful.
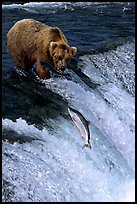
[{"x": 82, "y": 125}]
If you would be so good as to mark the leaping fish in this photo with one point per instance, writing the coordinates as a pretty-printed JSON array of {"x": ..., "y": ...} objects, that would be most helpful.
[{"x": 82, "y": 125}]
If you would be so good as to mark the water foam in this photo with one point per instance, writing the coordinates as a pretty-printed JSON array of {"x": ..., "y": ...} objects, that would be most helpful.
[
  {"x": 95, "y": 109},
  {"x": 40, "y": 164},
  {"x": 22, "y": 128},
  {"x": 113, "y": 66}
]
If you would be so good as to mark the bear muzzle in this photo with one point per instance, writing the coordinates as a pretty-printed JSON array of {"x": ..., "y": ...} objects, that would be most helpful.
[
  {"x": 61, "y": 66},
  {"x": 60, "y": 70}
]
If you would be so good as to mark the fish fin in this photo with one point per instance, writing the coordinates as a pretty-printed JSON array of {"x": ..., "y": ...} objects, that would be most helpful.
[
  {"x": 88, "y": 122},
  {"x": 87, "y": 145}
]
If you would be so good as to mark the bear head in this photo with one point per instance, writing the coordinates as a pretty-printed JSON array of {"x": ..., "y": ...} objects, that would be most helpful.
[{"x": 61, "y": 54}]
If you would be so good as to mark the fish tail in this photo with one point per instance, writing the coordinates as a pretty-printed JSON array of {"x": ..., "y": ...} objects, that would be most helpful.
[{"x": 87, "y": 145}]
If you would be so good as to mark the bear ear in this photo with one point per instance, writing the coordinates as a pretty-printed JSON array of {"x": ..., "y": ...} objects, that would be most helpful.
[
  {"x": 55, "y": 33},
  {"x": 73, "y": 50},
  {"x": 56, "y": 30},
  {"x": 52, "y": 46}
]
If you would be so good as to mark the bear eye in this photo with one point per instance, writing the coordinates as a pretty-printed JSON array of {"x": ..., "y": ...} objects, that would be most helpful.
[{"x": 60, "y": 58}]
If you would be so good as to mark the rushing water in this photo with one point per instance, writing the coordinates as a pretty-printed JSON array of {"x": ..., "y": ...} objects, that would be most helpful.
[{"x": 42, "y": 155}]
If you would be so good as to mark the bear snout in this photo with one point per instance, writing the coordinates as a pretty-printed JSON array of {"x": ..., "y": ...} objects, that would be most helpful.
[
  {"x": 60, "y": 65},
  {"x": 60, "y": 69},
  {"x": 63, "y": 68}
]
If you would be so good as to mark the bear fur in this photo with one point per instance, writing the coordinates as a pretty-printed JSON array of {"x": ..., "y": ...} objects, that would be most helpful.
[{"x": 29, "y": 42}]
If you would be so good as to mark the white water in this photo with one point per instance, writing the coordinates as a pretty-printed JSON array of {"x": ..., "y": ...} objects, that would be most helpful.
[
  {"x": 52, "y": 7},
  {"x": 55, "y": 167},
  {"x": 58, "y": 169},
  {"x": 50, "y": 4}
]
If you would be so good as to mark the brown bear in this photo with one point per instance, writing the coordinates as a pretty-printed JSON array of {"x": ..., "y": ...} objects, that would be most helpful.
[{"x": 29, "y": 42}]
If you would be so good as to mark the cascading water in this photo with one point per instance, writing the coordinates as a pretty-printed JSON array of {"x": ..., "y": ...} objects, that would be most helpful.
[{"x": 42, "y": 155}]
